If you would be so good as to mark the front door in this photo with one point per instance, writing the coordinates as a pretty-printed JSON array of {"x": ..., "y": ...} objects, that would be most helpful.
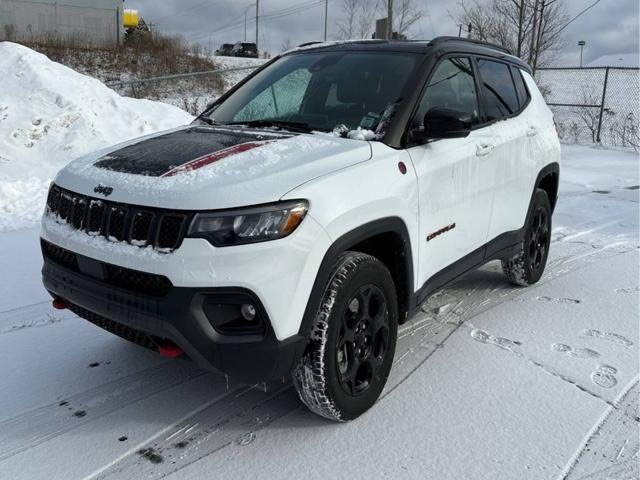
[{"x": 455, "y": 176}]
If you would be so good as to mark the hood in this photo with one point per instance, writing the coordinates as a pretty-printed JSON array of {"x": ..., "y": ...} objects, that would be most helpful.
[{"x": 210, "y": 167}]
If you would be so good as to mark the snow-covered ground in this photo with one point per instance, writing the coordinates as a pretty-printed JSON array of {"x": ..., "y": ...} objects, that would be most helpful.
[
  {"x": 489, "y": 382},
  {"x": 232, "y": 78},
  {"x": 49, "y": 115}
]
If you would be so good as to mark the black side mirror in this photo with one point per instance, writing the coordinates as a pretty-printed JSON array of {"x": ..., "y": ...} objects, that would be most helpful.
[{"x": 442, "y": 122}]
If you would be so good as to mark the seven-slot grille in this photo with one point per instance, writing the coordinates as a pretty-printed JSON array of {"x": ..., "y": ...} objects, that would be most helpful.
[{"x": 139, "y": 226}]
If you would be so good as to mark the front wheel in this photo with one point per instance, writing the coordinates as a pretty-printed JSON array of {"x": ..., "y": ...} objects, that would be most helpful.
[
  {"x": 527, "y": 266},
  {"x": 352, "y": 341}
]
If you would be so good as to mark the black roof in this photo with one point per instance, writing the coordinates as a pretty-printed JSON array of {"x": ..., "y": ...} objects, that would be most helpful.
[{"x": 438, "y": 45}]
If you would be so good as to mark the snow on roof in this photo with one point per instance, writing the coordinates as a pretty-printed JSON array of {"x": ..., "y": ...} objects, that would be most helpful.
[{"x": 617, "y": 60}]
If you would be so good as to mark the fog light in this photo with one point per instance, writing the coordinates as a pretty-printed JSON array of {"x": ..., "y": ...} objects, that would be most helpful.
[{"x": 248, "y": 311}]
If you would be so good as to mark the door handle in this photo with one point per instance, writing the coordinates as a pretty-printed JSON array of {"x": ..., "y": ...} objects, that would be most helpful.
[
  {"x": 483, "y": 149},
  {"x": 532, "y": 131}
]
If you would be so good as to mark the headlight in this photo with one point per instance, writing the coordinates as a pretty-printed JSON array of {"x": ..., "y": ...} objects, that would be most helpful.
[{"x": 249, "y": 225}]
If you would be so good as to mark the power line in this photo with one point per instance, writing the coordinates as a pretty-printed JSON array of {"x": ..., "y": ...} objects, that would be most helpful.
[
  {"x": 578, "y": 15},
  {"x": 269, "y": 16}
]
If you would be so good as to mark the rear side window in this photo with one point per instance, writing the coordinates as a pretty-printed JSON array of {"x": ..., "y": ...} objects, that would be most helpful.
[
  {"x": 521, "y": 88},
  {"x": 499, "y": 92}
]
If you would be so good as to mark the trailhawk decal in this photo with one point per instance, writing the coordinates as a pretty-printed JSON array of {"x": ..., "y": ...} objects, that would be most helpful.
[
  {"x": 214, "y": 157},
  {"x": 185, "y": 150},
  {"x": 433, "y": 235}
]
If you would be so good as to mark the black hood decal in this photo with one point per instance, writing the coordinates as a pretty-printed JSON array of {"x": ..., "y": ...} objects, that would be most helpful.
[{"x": 184, "y": 150}]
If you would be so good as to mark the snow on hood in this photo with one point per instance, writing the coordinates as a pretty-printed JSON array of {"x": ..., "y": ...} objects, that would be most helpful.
[
  {"x": 278, "y": 163},
  {"x": 51, "y": 114}
]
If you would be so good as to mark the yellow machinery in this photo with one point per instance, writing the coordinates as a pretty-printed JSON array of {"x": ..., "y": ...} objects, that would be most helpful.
[{"x": 130, "y": 18}]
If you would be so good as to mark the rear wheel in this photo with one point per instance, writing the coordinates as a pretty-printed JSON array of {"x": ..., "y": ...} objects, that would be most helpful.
[
  {"x": 352, "y": 342},
  {"x": 527, "y": 266}
]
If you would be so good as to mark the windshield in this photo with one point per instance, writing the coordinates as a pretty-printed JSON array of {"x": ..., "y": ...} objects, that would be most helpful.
[{"x": 322, "y": 91}]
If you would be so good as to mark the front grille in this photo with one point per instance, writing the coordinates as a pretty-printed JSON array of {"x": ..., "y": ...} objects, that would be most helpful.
[
  {"x": 140, "y": 226},
  {"x": 123, "y": 331},
  {"x": 132, "y": 280}
]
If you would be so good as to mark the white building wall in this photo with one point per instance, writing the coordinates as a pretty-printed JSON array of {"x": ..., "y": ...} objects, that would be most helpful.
[{"x": 89, "y": 22}]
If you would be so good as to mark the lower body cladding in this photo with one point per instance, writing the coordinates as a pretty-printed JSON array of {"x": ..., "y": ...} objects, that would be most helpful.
[{"x": 224, "y": 329}]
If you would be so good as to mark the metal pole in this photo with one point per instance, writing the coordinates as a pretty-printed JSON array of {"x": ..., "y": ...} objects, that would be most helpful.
[
  {"x": 389, "y": 19},
  {"x": 581, "y": 43},
  {"x": 460, "y": 30},
  {"x": 245, "y": 23},
  {"x": 604, "y": 94},
  {"x": 257, "y": 10},
  {"x": 581, "y": 48},
  {"x": 326, "y": 13}
]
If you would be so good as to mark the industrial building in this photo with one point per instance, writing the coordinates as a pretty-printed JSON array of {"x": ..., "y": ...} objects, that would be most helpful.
[{"x": 84, "y": 22}]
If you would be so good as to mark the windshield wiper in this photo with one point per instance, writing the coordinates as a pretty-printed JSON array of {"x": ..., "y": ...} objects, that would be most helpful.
[
  {"x": 207, "y": 120},
  {"x": 285, "y": 124}
]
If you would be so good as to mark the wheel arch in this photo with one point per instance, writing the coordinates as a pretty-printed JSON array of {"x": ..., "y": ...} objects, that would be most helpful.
[
  {"x": 388, "y": 240},
  {"x": 549, "y": 181}
]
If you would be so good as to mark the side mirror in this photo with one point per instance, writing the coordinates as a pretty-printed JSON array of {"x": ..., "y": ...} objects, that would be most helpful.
[{"x": 442, "y": 122}]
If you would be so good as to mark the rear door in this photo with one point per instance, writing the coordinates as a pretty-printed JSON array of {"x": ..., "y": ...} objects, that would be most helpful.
[
  {"x": 503, "y": 105},
  {"x": 454, "y": 184}
]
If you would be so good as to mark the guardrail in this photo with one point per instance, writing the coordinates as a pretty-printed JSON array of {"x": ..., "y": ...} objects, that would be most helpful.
[{"x": 123, "y": 83}]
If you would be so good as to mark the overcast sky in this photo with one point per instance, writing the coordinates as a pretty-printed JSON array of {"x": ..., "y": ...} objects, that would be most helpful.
[{"x": 610, "y": 27}]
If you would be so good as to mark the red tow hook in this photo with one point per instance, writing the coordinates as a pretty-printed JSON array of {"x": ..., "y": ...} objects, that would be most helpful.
[
  {"x": 59, "y": 303},
  {"x": 169, "y": 349}
]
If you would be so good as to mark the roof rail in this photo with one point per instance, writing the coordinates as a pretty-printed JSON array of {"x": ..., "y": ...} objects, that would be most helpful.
[
  {"x": 308, "y": 43},
  {"x": 438, "y": 40}
]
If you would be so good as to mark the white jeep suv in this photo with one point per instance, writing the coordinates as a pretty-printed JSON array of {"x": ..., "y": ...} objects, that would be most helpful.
[{"x": 309, "y": 211}]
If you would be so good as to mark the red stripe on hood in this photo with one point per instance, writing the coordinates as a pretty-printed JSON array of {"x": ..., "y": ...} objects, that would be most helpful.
[{"x": 214, "y": 157}]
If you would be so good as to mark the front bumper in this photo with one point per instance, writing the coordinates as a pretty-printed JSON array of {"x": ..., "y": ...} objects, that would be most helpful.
[{"x": 182, "y": 315}]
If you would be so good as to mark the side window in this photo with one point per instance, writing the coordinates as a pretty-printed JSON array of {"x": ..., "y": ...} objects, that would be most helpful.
[
  {"x": 280, "y": 100},
  {"x": 499, "y": 92},
  {"x": 521, "y": 88},
  {"x": 451, "y": 86}
]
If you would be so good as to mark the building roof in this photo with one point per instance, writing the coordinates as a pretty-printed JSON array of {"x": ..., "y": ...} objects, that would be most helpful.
[{"x": 617, "y": 60}]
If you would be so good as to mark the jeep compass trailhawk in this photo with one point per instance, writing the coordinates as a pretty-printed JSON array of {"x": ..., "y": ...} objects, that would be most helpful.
[{"x": 309, "y": 211}]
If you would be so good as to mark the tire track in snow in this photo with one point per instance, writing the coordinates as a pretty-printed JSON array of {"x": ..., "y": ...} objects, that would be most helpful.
[
  {"x": 35, "y": 315},
  {"x": 612, "y": 448},
  {"x": 45, "y": 423},
  {"x": 235, "y": 419},
  {"x": 471, "y": 296}
]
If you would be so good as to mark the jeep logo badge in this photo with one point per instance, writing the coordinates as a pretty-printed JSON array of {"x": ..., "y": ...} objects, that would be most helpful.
[{"x": 106, "y": 191}]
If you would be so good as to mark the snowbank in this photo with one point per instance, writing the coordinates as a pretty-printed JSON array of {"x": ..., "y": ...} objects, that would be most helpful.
[{"x": 49, "y": 115}]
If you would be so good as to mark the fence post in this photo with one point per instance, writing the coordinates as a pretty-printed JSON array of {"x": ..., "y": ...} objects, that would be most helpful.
[{"x": 604, "y": 96}]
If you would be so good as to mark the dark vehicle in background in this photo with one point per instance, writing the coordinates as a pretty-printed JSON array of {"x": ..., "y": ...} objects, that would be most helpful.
[
  {"x": 243, "y": 49},
  {"x": 225, "y": 50}
]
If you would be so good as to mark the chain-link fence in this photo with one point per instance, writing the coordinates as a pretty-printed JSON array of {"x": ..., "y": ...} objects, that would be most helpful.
[
  {"x": 594, "y": 104},
  {"x": 190, "y": 91}
]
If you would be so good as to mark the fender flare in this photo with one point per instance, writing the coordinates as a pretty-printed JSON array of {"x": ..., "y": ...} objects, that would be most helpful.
[{"x": 384, "y": 225}]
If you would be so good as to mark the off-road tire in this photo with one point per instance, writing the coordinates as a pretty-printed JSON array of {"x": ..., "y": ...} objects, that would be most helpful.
[
  {"x": 526, "y": 267},
  {"x": 318, "y": 377}
]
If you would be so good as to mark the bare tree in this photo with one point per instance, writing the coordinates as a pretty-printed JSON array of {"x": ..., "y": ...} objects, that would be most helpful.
[
  {"x": 405, "y": 15},
  {"x": 358, "y": 17},
  {"x": 529, "y": 28},
  {"x": 286, "y": 45},
  {"x": 349, "y": 24}
]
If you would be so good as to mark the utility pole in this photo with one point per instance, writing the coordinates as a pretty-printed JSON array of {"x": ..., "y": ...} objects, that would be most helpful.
[
  {"x": 257, "y": 14},
  {"x": 326, "y": 12},
  {"x": 389, "y": 19},
  {"x": 246, "y": 11}
]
